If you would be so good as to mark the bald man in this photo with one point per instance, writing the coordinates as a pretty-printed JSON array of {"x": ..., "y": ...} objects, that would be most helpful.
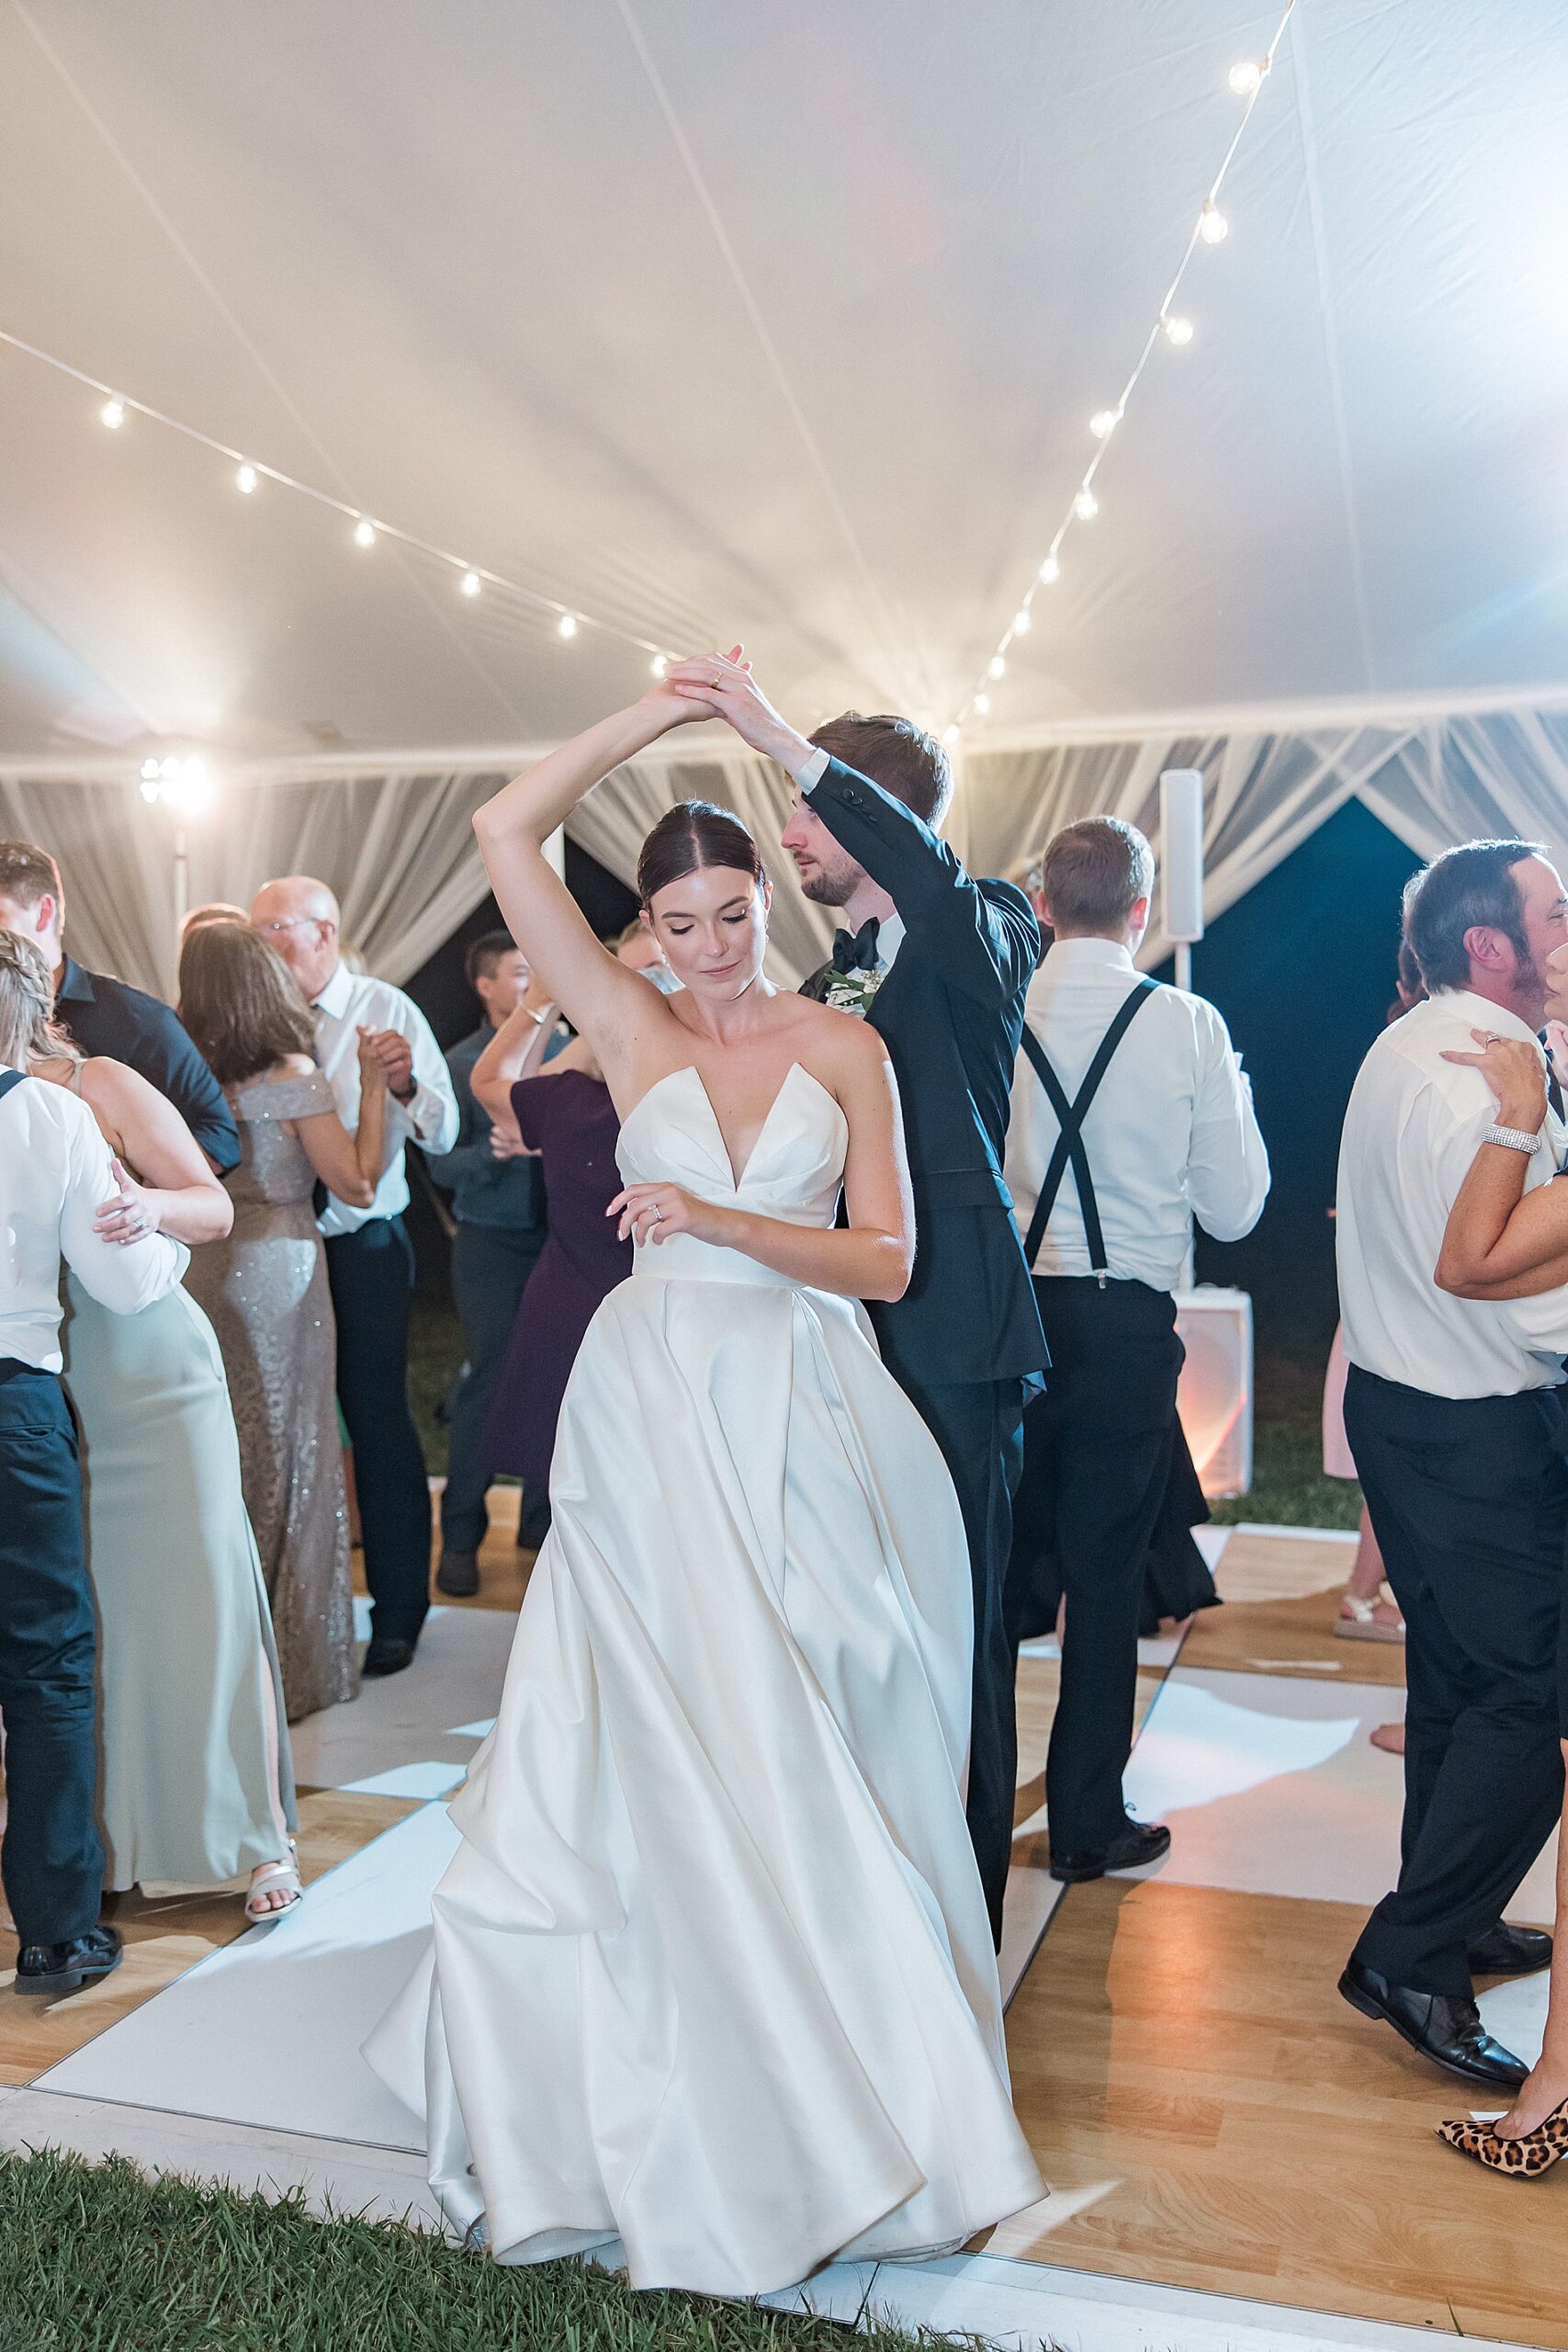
[{"x": 369, "y": 1257}]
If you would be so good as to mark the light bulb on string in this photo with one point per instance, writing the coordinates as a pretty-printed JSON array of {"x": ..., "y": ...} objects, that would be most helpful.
[
  {"x": 1022, "y": 621},
  {"x": 470, "y": 584},
  {"x": 245, "y": 479},
  {"x": 1103, "y": 422},
  {"x": 1086, "y": 506},
  {"x": 982, "y": 704},
  {"x": 363, "y": 533},
  {"x": 1246, "y": 77},
  {"x": 112, "y": 413},
  {"x": 1213, "y": 226},
  {"x": 949, "y": 734},
  {"x": 567, "y": 625},
  {"x": 1177, "y": 332},
  {"x": 1050, "y": 570},
  {"x": 997, "y": 666},
  {"x": 660, "y": 663}
]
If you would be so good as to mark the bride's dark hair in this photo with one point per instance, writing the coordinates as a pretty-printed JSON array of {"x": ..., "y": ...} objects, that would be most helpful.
[{"x": 693, "y": 834}]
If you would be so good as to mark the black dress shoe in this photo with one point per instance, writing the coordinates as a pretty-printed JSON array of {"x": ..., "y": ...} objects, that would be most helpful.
[
  {"x": 1441, "y": 2025},
  {"x": 52, "y": 1969},
  {"x": 1510, "y": 1951},
  {"x": 1140, "y": 1842},
  {"x": 458, "y": 1575},
  {"x": 386, "y": 1656}
]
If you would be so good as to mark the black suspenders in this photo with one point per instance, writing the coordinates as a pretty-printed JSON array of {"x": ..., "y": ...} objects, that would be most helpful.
[
  {"x": 1069, "y": 1143},
  {"x": 8, "y": 1079}
]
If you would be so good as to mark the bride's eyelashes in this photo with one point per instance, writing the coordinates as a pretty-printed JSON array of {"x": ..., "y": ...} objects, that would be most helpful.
[{"x": 732, "y": 919}]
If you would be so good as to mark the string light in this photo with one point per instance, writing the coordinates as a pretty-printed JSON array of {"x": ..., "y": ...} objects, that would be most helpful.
[
  {"x": 656, "y": 667},
  {"x": 1022, "y": 621},
  {"x": 950, "y": 733},
  {"x": 249, "y": 473},
  {"x": 183, "y": 785},
  {"x": 1209, "y": 228}
]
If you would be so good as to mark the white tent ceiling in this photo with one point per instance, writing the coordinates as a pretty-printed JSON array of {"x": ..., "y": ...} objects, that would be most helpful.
[{"x": 804, "y": 353}]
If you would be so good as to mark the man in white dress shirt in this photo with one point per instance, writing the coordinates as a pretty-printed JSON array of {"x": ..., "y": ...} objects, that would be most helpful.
[
  {"x": 57, "y": 1191},
  {"x": 1131, "y": 1115},
  {"x": 369, "y": 1257},
  {"x": 1452, "y": 1407}
]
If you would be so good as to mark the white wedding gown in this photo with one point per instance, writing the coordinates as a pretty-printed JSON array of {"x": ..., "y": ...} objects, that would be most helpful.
[{"x": 711, "y": 1987}]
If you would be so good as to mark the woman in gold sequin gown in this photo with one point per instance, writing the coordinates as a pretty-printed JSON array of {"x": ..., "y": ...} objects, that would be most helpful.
[{"x": 264, "y": 1290}]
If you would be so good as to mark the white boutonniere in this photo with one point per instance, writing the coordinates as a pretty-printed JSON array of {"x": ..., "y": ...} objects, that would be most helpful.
[{"x": 853, "y": 991}]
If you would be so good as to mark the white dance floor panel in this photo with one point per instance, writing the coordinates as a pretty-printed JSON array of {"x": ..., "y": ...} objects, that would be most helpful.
[
  {"x": 268, "y": 2030},
  {"x": 1271, "y": 1786},
  {"x": 430, "y": 1716}
]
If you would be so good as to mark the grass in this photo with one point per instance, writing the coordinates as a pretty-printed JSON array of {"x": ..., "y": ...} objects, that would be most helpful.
[{"x": 98, "y": 2258}]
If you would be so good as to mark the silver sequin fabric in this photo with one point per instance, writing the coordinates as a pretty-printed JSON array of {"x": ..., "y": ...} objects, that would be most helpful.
[{"x": 264, "y": 1290}]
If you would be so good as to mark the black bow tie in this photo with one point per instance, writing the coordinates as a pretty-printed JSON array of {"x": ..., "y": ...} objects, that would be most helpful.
[{"x": 855, "y": 951}]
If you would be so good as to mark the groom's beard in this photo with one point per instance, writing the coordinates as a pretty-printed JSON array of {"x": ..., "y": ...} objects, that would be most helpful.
[{"x": 831, "y": 886}]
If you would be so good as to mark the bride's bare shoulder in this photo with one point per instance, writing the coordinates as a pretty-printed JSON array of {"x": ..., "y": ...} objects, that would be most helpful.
[{"x": 843, "y": 1043}]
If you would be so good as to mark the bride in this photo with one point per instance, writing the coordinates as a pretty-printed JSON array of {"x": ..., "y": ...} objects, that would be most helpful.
[{"x": 711, "y": 1988}]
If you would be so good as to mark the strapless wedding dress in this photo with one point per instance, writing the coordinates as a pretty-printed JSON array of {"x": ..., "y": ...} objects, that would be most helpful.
[{"x": 711, "y": 1987}]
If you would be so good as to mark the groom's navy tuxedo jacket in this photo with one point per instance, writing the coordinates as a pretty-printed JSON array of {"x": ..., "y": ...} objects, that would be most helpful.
[{"x": 951, "y": 1011}]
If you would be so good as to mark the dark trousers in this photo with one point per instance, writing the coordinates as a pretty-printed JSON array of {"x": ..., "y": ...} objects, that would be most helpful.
[
  {"x": 980, "y": 1427},
  {"x": 371, "y": 1273},
  {"x": 53, "y": 1858},
  {"x": 1469, "y": 1502},
  {"x": 1097, "y": 1453},
  {"x": 490, "y": 1265}
]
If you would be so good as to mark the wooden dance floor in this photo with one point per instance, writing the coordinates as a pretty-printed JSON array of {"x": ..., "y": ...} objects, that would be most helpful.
[{"x": 1232, "y": 2156}]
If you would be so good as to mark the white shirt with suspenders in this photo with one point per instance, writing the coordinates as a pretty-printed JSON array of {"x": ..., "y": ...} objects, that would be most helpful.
[{"x": 1145, "y": 1122}]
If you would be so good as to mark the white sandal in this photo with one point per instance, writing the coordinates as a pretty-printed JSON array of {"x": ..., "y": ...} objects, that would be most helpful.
[
  {"x": 274, "y": 1878},
  {"x": 1357, "y": 1622}
]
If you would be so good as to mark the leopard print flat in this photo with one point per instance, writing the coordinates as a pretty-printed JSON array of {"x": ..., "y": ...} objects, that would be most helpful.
[{"x": 1526, "y": 2158}]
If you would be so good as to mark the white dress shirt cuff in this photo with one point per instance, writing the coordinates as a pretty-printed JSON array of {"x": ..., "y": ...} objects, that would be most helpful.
[{"x": 811, "y": 770}]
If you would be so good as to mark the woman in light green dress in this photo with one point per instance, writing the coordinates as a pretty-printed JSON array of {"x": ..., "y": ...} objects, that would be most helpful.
[{"x": 197, "y": 1783}]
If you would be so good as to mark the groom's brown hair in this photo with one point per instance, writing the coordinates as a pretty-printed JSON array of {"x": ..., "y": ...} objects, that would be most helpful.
[{"x": 897, "y": 755}]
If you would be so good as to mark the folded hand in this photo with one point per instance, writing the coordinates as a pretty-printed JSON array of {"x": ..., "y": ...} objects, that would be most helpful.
[
  {"x": 1514, "y": 1071},
  {"x": 130, "y": 1216}
]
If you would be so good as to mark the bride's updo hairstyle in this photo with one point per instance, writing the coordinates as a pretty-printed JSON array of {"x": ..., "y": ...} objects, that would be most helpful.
[{"x": 693, "y": 834}]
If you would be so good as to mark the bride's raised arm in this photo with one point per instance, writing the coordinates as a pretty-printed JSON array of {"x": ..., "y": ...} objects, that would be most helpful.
[{"x": 599, "y": 996}]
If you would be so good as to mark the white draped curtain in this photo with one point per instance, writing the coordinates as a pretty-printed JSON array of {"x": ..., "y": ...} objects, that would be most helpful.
[{"x": 395, "y": 843}]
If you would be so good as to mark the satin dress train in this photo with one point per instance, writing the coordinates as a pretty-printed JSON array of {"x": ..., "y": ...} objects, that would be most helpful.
[{"x": 711, "y": 1988}]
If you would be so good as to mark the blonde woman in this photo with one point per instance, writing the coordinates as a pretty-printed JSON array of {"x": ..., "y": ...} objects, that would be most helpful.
[{"x": 197, "y": 1786}]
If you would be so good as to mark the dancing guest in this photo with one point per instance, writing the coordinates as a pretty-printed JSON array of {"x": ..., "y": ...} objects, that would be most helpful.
[
  {"x": 215, "y": 911},
  {"x": 1131, "y": 1116},
  {"x": 369, "y": 1255},
  {"x": 566, "y": 1116},
  {"x": 938, "y": 963},
  {"x": 711, "y": 1987},
  {"x": 1453, "y": 1419},
  {"x": 1505, "y": 1242},
  {"x": 57, "y": 1182},
  {"x": 498, "y": 1203},
  {"x": 264, "y": 1288},
  {"x": 198, "y": 1787},
  {"x": 105, "y": 1017}
]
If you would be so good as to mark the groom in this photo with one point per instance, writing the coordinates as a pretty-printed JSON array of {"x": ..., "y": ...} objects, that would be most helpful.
[{"x": 939, "y": 964}]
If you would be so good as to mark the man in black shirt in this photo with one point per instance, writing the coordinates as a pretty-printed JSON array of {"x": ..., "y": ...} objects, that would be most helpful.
[{"x": 106, "y": 1016}]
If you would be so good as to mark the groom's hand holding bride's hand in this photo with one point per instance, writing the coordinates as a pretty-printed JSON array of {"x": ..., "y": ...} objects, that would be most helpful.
[
  {"x": 720, "y": 685},
  {"x": 651, "y": 1213}
]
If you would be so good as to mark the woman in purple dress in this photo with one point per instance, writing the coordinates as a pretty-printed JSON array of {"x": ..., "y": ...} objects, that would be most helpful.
[{"x": 566, "y": 1116}]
